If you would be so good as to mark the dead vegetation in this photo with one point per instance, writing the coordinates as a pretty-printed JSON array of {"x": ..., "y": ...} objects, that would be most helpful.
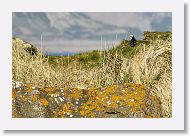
[{"x": 150, "y": 65}]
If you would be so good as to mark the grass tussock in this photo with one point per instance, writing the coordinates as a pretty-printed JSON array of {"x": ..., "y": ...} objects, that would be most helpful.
[
  {"x": 149, "y": 63},
  {"x": 152, "y": 67}
]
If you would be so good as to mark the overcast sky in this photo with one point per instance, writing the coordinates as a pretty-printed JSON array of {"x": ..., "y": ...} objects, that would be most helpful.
[{"x": 73, "y": 32}]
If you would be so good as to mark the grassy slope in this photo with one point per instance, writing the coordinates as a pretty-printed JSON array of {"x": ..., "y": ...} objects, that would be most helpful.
[
  {"x": 124, "y": 49},
  {"x": 148, "y": 63}
]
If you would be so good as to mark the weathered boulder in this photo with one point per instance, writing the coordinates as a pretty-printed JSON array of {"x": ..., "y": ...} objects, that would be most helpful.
[{"x": 116, "y": 101}]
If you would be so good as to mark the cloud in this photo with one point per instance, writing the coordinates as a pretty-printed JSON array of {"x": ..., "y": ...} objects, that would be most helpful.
[
  {"x": 138, "y": 20},
  {"x": 74, "y": 30},
  {"x": 134, "y": 20},
  {"x": 160, "y": 16},
  {"x": 60, "y": 21},
  {"x": 67, "y": 20}
]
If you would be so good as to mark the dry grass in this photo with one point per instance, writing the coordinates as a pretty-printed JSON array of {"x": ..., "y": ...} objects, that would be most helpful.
[
  {"x": 36, "y": 69},
  {"x": 151, "y": 67}
]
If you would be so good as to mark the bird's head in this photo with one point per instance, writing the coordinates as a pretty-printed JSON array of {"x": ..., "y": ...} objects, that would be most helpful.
[{"x": 131, "y": 35}]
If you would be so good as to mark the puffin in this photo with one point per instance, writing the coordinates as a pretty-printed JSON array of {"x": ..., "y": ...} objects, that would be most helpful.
[{"x": 133, "y": 41}]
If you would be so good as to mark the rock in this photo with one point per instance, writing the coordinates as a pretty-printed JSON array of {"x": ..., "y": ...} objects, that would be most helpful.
[{"x": 116, "y": 101}]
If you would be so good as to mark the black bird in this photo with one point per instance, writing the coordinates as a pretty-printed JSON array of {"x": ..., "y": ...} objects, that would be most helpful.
[{"x": 133, "y": 41}]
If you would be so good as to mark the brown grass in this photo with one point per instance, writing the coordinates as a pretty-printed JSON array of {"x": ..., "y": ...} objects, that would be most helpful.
[{"x": 151, "y": 67}]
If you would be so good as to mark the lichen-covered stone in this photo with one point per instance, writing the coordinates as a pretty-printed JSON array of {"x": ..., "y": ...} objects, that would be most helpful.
[{"x": 116, "y": 101}]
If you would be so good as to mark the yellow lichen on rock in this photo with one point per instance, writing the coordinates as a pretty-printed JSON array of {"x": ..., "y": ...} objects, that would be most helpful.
[
  {"x": 122, "y": 100},
  {"x": 44, "y": 102}
]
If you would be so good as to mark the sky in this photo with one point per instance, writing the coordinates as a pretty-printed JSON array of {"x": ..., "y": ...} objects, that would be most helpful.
[{"x": 74, "y": 32}]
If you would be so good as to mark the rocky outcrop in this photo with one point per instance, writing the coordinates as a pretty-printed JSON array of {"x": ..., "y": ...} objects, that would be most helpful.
[
  {"x": 28, "y": 47},
  {"x": 116, "y": 101}
]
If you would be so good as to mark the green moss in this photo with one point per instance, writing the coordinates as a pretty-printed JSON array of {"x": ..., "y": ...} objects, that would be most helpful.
[{"x": 157, "y": 35}]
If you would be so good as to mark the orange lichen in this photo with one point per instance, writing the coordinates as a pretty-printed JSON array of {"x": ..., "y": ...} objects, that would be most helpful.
[
  {"x": 28, "y": 88},
  {"x": 24, "y": 98},
  {"x": 127, "y": 99},
  {"x": 76, "y": 93},
  {"x": 49, "y": 89},
  {"x": 44, "y": 102},
  {"x": 14, "y": 95},
  {"x": 67, "y": 107},
  {"x": 35, "y": 98}
]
